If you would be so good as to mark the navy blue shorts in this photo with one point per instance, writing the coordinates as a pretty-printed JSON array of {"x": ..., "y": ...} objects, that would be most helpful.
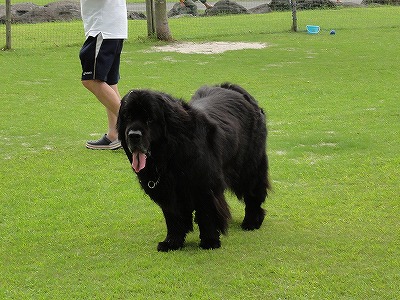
[{"x": 100, "y": 59}]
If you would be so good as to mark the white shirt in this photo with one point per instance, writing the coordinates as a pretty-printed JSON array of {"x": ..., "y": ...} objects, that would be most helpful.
[{"x": 108, "y": 17}]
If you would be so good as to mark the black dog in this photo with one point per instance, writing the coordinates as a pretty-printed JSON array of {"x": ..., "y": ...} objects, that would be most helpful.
[{"x": 186, "y": 155}]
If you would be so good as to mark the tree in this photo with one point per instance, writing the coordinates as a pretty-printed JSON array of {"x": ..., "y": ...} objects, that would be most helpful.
[
  {"x": 157, "y": 20},
  {"x": 150, "y": 18}
]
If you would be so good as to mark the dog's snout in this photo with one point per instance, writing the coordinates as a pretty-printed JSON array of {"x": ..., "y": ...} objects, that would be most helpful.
[
  {"x": 135, "y": 133},
  {"x": 134, "y": 137}
]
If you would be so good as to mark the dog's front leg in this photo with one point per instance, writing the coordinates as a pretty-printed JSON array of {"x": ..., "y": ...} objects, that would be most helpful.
[
  {"x": 176, "y": 232},
  {"x": 209, "y": 234},
  {"x": 212, "y": 215}
]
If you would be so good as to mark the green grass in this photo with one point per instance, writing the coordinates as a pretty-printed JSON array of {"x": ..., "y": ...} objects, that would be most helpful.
[{"x": 74, "y": 223}]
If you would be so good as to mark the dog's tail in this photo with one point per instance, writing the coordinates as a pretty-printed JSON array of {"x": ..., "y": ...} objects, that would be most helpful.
[{"x": 246, "y": 95}]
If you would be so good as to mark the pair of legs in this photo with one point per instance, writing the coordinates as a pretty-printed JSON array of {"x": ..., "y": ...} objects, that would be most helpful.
[
  {"x": 100, "y": 60},
  {"x": 193, "y": 7},
  {"x": 207, "y": 5},
  {"x": 211, "y": 214},
  {"x": 212, "y": 211},
  {"x": 212, "y": 221},
  {"x": 109, "y": 96}
]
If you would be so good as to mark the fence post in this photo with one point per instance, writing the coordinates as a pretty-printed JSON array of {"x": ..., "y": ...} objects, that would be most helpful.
[
  {"x": 8, "y": 24},
  {"x": 293, "y": 3}
]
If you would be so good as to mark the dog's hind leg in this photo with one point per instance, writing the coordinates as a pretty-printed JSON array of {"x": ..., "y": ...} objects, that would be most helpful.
[
  {"x": 254, "y": 195},
  {"x": 177, "y": 228},
  {"x": 254, "y": 214}
]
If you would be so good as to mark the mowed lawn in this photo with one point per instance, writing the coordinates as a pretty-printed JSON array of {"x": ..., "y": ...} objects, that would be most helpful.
[{"x": 74, "y": 223}]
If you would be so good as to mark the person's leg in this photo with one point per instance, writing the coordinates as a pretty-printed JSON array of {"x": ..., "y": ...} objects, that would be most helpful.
[
  {"x": 192, "y": 7},
  {"x": 206, "y": 4},
  {"x": 112, "y": 117},
  {"x": 109, "y": 96}
]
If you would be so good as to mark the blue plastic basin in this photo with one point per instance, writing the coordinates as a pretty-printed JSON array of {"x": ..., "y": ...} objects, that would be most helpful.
[{"x": 312, "y": 29}]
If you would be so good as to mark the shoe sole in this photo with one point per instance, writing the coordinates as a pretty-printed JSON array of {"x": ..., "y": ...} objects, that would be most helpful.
[{"x": 103, "y": 147}]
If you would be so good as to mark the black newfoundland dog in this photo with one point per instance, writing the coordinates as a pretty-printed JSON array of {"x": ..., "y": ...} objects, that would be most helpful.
[{"x": 186, "y": 154}]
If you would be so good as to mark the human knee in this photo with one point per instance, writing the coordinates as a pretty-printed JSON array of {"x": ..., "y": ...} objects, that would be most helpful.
[
  {"x": 91, "y": 85},
  {"x": 87, "y": 84}
]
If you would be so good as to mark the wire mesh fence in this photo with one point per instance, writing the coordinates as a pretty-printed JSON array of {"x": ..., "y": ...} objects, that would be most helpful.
[{"x": 46, "y": 23}]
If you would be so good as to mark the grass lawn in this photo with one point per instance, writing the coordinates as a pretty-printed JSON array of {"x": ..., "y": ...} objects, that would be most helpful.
[{"x": 74, "y": 223}]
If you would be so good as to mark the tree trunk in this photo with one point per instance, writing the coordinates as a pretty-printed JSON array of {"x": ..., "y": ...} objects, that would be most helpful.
[
  {"x": 161, "y": 20},
  {"x": 151, "y": 30},
  {"x": 294, "y": 15}
]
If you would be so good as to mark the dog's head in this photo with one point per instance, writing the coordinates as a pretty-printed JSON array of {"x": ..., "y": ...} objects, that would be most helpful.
[
  {"x": 148, "y": 120},
  {"x": 140, "y": 123}
]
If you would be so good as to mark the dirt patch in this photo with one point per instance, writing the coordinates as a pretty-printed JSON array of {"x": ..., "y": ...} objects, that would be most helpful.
[{"x": 207, "y": 48}]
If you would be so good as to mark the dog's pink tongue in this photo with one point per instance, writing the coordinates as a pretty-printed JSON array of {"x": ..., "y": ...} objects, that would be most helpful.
[{"x": 138, "y": 161}]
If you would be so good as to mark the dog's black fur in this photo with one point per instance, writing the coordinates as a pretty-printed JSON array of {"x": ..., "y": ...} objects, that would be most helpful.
[{"x": 186, "y": 155}]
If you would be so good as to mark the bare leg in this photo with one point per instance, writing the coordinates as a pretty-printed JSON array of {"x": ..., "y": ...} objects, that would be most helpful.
[{"x": 109, "y": 96}]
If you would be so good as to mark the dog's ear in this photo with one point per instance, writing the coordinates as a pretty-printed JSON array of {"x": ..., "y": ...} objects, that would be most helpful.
[
  {"x": 121, "y": 117},
  {"x": 161, "y": 112},
  {"x": 124, "y": 103},
  {"x": 121, "y": 125}
]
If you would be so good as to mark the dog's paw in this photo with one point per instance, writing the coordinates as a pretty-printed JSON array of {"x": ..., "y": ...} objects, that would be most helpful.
[
  {"x": 253, "y": 221},
  {"x": 248, "y": 226},
  {"x": 210, "y": 244},
  {"x": 166, "y": 246}
]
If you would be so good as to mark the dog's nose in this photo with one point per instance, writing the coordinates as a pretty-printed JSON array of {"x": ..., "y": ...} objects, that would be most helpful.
[{"x": 134, "y": 135}]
